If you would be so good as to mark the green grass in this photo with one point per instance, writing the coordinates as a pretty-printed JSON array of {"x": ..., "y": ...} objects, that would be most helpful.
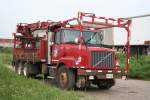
[
  {"x": 14, "y": 87},
  {"x": 5, "y": 58},
  {"x": 6, "y": 55},
  {"x": 139, "y": 68}
]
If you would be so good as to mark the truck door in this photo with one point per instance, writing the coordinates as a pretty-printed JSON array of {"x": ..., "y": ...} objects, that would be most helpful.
[{"x": 57, "y": 48}]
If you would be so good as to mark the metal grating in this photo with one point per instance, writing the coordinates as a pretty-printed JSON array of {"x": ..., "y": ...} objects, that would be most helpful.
[{"x": 102, "y": 59}]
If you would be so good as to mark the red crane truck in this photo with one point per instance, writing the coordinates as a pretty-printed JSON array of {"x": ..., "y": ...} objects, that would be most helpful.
[{"x": 72, "y": 51}]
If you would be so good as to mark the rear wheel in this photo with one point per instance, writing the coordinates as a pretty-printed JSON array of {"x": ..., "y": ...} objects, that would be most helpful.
[
  {"x": 16, "y": 67},
  {"x": 20, "y": 68},
  {"x": 26, "y": 70},
  {"x": 65, "y": 78},
  {"x": 106, "y": 84}
]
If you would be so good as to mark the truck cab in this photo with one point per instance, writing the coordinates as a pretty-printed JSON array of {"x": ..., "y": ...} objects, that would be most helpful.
[{"x": 85, "y": 53}]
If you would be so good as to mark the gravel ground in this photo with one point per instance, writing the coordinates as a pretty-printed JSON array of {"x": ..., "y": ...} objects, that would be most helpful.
[{"x": 123, "y": 90}]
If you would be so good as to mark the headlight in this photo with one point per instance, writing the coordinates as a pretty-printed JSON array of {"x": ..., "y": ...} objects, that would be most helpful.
[
  {"x": 77, "y": 62},
  {"x": 117, "y": 63}
]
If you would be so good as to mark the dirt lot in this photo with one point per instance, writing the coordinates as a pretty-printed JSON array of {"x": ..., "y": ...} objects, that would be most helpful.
[{"x": 123, "y": 90}]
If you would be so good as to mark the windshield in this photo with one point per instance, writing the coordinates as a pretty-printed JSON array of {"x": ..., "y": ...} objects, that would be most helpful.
[
  {"x": 69, "y": 36},
  {"x": 89, "y": 37},
  {"x": 92, "y": 37}
]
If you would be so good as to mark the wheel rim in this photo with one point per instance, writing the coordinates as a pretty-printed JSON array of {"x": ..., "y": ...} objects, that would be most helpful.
[
  {"x": 25, "y": 71},
  {"x": 19, "y": 70},
  {"x": 63, "y": 79},
  {"x": 15, "y": 69}
]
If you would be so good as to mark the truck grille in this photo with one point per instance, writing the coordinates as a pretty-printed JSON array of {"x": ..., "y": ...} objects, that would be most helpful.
[{"x": 102, "y": 59}]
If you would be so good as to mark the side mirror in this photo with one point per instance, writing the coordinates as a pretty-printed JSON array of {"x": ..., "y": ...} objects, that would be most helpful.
[{"x": 76, "y": 40}]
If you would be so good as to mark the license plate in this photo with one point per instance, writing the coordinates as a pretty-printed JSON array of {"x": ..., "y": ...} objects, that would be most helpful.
[{"x": 109, "y": 75}]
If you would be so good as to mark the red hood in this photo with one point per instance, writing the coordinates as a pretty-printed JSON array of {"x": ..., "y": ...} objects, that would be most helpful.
[{"x": 100, "y": 49}]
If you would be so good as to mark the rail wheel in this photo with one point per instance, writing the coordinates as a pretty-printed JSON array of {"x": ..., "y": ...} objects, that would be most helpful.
[
  {"x": 106, "y": 84},
  {"x": 65, "y": 78},
  {"x": 26, "y": 70}
]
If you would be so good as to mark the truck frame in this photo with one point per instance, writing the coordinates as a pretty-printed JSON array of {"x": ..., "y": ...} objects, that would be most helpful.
[{"x": 71, "y": 51}]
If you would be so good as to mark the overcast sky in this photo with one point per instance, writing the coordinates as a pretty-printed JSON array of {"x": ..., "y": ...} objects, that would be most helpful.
[{"x": 16, "y": 11}]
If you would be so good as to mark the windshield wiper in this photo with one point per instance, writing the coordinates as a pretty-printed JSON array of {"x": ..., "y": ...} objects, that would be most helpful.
[{"x": 70, "y": 42}]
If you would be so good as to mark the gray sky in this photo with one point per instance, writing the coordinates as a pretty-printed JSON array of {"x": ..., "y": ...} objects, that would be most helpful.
[{"x": 15, "y": 11}]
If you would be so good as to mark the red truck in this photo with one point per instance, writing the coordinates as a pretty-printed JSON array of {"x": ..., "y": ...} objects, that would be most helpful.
[{"x": 72, "y": 51}]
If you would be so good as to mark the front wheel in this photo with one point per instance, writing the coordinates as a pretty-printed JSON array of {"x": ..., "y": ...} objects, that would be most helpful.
[
  {"x": 65, "y": 78},
  {"x": 106, "y": 84}
]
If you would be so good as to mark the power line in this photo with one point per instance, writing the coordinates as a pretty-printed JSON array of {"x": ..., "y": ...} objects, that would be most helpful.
[{"x": 139, "y": 16}]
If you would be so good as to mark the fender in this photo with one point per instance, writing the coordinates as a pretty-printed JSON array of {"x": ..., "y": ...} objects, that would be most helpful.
[{"x": 68, "y": 61}]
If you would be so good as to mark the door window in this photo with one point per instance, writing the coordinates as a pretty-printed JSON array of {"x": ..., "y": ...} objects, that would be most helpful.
[{"x": 58, "y": 37}]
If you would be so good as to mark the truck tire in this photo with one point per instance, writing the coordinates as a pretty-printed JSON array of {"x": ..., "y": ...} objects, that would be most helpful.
[
  {"x": 20, "y": 68},
  {"x": 106, "y": 84},
  {"x": 16, "y": 67},
  {"x": 26, "y": 70},
  {"x": 65, "y": 78}
]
